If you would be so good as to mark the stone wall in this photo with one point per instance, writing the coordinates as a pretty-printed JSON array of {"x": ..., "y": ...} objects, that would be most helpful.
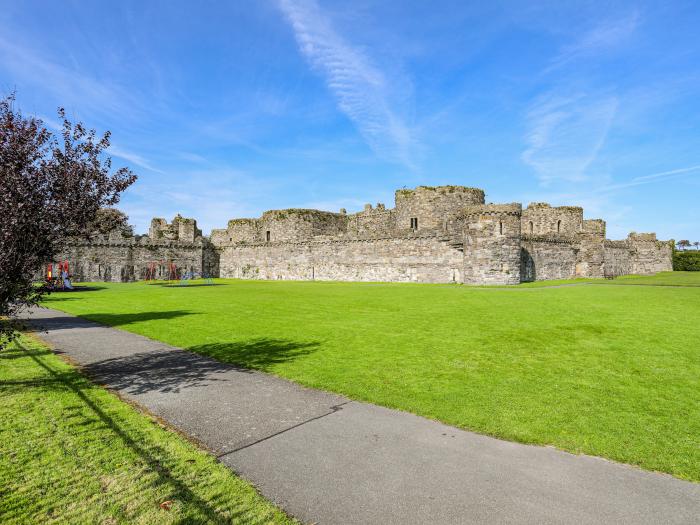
[
  {"x": 433, "y": 234},
  {"x": 120, "y": 256},
  {"x": 540, "y": 218},
  {"x": 492, "y": 244},
  {"x": 414, "y": 258},
  {"x": 282, "y": 225},
  {"x": 650, "y": 255},
  {"x": 546, "y": 258},
  {"x": 432, "y": 206},
  {"x": 618, "y": 258},
  {"x": 639, "y": 254},
  {"x": 372, "y": 222},
  {"x": 493, "y": 241}
]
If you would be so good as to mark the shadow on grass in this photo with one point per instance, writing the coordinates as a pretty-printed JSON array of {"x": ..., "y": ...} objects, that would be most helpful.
[
  {"x": 259, "y": 354},
  {"x": 176, "y": 284},
  {"x": 173, "y": 370},
  {"x": 76, "y": 290},
  {"x": 154, "y": 456},
  {"x": 87, "y": 321},
  {"x": 157, "y": 371}
]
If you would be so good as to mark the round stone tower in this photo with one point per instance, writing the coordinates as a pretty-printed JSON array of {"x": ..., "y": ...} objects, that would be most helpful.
[{"x": 429, "y": 207}]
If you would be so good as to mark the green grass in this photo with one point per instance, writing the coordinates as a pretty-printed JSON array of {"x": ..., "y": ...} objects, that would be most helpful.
[
  {"x": 660, "y": 279},
  {"x": 71, "y": 452},
  {"x": 612, "y": 371},
  {"x": 547, "y": 284}
]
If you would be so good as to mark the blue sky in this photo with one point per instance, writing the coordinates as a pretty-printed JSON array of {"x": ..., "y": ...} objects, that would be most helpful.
[{"x": 226, "y": 109}]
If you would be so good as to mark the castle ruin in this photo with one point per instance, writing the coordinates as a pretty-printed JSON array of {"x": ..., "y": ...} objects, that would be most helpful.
[{"x": 444, "y": 234}]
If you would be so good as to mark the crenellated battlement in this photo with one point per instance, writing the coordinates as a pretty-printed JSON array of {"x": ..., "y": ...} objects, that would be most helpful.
[
  {"x": 180, "y": 229},
  {"x": 432, "y": 234},
  {"x": 514, "y": 209}
]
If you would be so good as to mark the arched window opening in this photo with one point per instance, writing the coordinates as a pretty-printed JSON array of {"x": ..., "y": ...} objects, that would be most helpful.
[
  {"x": 558, "y": 226},
  {"x": 267, "y": 236},
  {"x": 500, "y": 227},
  {"x": 532, "y": 227}
]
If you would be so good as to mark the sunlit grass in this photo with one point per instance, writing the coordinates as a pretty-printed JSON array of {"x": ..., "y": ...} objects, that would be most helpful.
[
  {"x": 611, "y": 370},
  {"x": 71, "y": 452}
]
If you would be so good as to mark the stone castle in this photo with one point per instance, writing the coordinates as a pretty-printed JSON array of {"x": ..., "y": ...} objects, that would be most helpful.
[{"x": 444, "y": 234}]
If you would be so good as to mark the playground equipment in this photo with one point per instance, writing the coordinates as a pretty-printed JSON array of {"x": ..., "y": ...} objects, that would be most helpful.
[
  {"x": 154, "y": 266},
  {"x": 150, "y": 272},
  {"x": 189, "y": 276},
  {"x": 186, "y": 278},
  {"x": 61, "y": 277}
]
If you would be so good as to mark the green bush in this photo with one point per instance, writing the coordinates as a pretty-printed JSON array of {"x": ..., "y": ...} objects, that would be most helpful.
[{"x": 686, "y": 261}]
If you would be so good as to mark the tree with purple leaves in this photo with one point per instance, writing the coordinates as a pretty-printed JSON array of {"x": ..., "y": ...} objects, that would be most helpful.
[{"x": 51, "y": 187}]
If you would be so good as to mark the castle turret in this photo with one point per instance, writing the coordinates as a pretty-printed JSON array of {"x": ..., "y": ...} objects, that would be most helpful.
[
  {"x": 428, "y": 208},
  {"x": 492, "y": 243},
  {"x": 539, "y": 218}
]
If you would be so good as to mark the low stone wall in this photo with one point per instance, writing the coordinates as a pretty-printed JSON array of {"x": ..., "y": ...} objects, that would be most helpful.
[
  {"x": 652, "y": 257},
  {"x": 417, "y": 258},
  {"x": 639, "y": 254}
]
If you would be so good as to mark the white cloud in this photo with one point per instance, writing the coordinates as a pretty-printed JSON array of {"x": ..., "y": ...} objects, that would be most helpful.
[
  {"x": 566, "y": 134},
  {"x": 606, "y": 35},
  {"x": 362, "y": 91},
  {"x": 648, "y": 179},
  {"x": 133, "y": 158},
  {"x": 68, "y": 85}
]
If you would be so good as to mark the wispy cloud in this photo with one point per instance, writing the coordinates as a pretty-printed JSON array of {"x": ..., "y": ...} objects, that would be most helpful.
[
  {"x": 362, "y": 91},
  {"x": 604, "y": 36},
  {"x": 649, "y": 179},
  {"x": 116, "y": 151},
  {"x": 133, "y": 158},
  {"x": 67, "y": 84},
  {"x": 566, "y": 134}
]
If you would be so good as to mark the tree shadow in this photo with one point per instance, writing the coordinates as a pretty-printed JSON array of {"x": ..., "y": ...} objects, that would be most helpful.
[
  {"x": 259, "y": 354},
  {"x": 78, "y": 288},
  {"x": 158, "y": 459},
  {"x": 172, "y": 371},
  {"x": 176, "y": 284},
  {"x": 168, "y": 371},
  {"x": 67, "y": 322}
]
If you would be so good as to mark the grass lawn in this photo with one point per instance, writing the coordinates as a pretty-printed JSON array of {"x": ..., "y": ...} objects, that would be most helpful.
[
  {"x": 612, "y": 371},
  {"x": 71, "y": 452},
  {"x": 660, "y": 279}
]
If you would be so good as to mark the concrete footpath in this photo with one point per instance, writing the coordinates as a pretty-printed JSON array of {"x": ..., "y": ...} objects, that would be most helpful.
[{"x": 326, "y": 459}]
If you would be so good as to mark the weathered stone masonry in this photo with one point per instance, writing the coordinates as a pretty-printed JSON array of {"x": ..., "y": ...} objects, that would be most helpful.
[
  {"x": 433, "y": 234},
  {"x": 122, "y": 256}
]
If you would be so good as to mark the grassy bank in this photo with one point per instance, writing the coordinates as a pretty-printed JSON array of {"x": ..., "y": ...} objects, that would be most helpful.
[
  {"x": 607, "y": 370},
  {"x": 71, "y": 452}
]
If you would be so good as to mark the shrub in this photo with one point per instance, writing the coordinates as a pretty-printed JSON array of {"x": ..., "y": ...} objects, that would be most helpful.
[{"x": 686, "y": 261}]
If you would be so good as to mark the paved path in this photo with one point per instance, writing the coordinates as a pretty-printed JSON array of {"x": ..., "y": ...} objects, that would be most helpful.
[{"x": 326, "y": 459}]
